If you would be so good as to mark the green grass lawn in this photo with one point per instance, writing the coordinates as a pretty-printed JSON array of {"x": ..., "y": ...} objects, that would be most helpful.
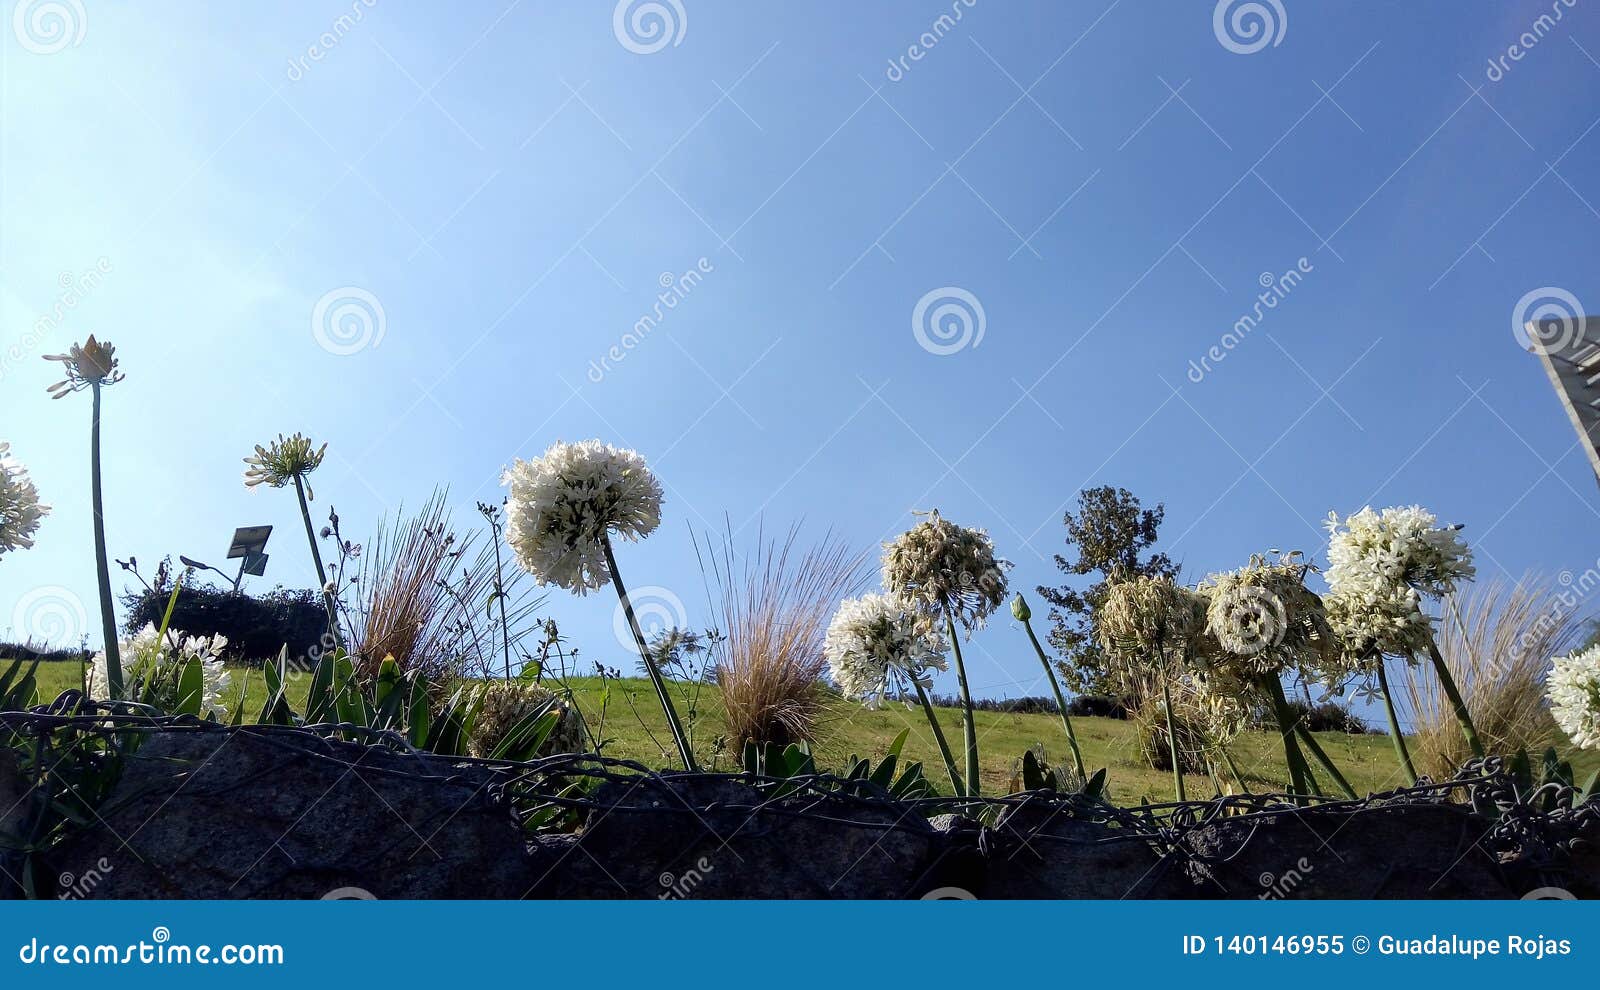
[{"x": 635, "y": 729}]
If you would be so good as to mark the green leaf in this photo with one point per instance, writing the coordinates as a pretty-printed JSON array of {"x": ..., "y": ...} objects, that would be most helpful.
[
  {"x": 899, "y": 743},
  {"x": 522, "y": 742},
  {"x": 191, "y": 688},
  {"x": 884, "y": 775},
  {"x": 319, "y": 694}
]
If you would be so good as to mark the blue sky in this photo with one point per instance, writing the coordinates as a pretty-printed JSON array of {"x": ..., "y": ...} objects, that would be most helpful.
[{"x": 510, "y": 183}]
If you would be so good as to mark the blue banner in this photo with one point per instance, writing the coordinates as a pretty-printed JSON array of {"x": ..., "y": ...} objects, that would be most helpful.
[{"x": 714, "y": 944}]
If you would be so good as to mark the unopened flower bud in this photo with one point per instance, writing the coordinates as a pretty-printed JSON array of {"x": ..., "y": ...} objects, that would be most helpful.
[{"x": 1020, "y": 610}]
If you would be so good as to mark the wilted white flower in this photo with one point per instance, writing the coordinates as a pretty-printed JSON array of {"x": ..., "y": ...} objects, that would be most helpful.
[
  {"x": 20, "y": 510},
  {"x": 563, "y": 505},
  {"x": 1375, "y": 622},
  {"x": 875, "y": 645},
  {"x": 283, "y": 460},
  {"x": 937, "y": 565},
  {"x": 148, "y": 661},
  {"x": 1150, "y": 618},
  {"x": 1262, "y": 619},
  {"x": 503, "y": 705},
  {"x": 1574, "y": 692}
]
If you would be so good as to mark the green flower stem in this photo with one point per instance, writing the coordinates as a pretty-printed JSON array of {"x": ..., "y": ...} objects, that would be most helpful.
[
  {"x": 500, "y": 594},
  {"x": 1172, "y": 738},
  {"x": 1299, "y": 772},
  {"x": 938, "y": 737},
  {"x": 1448, "y": 682},
  {"x": 108, "y": 615},
  {"x": 1395, "y": 735},
  {"x": 1327, "y": 764},
  {"x": 685, "y": 751},
  {"x": 1061, "y": 702},
  {"x": 1233, "y": 768},
  {"x": 316, "y": 558},
  {"x": 969, "y": 727}
]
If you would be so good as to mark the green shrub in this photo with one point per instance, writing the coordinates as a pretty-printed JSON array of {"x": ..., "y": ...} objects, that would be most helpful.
[{"x": 257, "y": 629}]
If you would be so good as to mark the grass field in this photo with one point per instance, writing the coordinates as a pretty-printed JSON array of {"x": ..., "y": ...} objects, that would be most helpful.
[{"x": 634, "y": 728}]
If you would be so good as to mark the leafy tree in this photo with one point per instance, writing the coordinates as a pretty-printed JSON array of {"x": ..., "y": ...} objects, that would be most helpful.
[{"x": 1111, "y": 532}]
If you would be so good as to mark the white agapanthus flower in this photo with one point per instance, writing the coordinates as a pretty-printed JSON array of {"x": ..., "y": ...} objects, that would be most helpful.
[
  {"x": 148, "y": 659},
  {"x": 20, "y": 509},
  {"x": 1574, "y": 693},
  {"x": 1380, "y": 566},
  {"x": 876, "y": 645},
  {"x": 563, "y": 505},
  {"x": 1401, "y": 546}
]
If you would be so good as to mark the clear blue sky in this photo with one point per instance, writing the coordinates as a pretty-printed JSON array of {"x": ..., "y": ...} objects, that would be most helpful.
[{"x": 509, "y": 181}]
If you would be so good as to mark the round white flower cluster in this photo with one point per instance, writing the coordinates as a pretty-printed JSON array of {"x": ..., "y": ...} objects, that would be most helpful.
[
  {"x": 875, "y": 645},
  {"x": 148, "y": 661},
  {"x": 1381, "y": 564},
  {"x": 1151, "y": 619},
  {"x": 563, "y": 505},
  {"x": 1574, "y": 692},
  {"x": 937, "y": 565},
  {"x": 20, "y": 511}
]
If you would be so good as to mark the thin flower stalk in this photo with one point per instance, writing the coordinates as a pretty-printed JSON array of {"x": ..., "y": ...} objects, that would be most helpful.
[{"x": 1023, "y": 614}]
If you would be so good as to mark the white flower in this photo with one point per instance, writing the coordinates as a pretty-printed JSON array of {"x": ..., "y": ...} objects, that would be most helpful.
[
  {"x": 1574, "y": 692},
  {"x": 937, "y": 565},
  {"x": 148, "y": 660},
  {"x": 564, "y": 504},
  {"x": 20, "y": 511},
  {"x": 1375, "y": 552},
  {"x": 875, "y": 645},
  {"x": 1380, "y": 565}
]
